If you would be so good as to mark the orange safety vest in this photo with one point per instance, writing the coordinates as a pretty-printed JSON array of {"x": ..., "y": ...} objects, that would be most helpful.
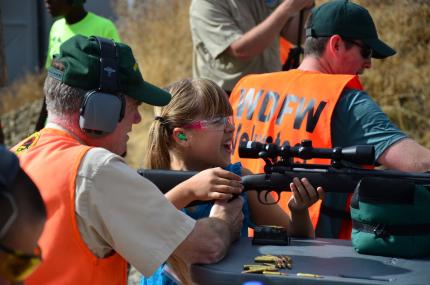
[
  {"x": 289, "y": 107},
  {"x": 52, "y": 159}
]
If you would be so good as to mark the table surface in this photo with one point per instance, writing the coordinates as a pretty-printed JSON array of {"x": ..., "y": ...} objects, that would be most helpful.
[{"x": 329, "y": 258}]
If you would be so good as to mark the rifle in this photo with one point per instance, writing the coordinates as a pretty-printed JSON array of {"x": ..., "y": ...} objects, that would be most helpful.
[{"x": 342, "y": 175}]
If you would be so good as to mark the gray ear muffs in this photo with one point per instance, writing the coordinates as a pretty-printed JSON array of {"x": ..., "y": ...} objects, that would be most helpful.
[{"x": 103, "y": 108}]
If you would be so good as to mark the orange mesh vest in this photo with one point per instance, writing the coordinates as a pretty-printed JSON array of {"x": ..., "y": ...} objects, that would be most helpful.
[
  {"x": 52, "y": 158},
  {"x": 288, "y": 106}
]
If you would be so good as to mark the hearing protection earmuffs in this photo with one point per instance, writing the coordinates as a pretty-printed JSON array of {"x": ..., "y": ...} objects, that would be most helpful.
[{"x": 104, "y": 107}]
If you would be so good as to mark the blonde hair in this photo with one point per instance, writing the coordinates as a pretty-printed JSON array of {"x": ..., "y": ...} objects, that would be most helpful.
[{"x": 190, "y": 98}]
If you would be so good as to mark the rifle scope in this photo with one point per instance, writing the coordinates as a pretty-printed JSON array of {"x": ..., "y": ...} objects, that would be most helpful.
[{"x": 360, "y": 154}]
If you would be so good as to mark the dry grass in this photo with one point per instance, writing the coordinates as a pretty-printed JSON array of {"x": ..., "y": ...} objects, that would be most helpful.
[
  {"x": 158, "y": 32},
  {"x": 21, "y": 92},
  {"x": 401, "y": 84}
]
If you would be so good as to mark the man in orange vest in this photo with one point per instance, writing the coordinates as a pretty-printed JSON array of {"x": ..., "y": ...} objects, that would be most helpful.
[
  {"x": 324, "y": 101},
  {"x": 102, "y": 215}
]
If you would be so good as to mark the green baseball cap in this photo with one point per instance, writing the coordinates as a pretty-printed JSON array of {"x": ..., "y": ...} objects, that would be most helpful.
[
  {"x": 349, "y": 20},
  {"x": 81, "y": 58}
]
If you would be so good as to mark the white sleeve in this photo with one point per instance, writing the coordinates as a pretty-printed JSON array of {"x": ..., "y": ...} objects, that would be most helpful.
[{"x": 119, "y": 210}]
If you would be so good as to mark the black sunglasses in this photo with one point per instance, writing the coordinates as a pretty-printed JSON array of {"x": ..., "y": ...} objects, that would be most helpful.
[{"x": 365, "y": 51}]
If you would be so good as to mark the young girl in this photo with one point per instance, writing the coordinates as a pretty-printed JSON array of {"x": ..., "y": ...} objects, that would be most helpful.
[{"x": 195, "y": 132}]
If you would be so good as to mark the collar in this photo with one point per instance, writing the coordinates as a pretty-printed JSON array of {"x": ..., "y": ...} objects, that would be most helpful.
[{"x": 54, "y": 126}]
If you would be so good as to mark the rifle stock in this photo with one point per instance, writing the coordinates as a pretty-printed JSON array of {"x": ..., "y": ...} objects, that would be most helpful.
[{"x": 164, "y": 179}]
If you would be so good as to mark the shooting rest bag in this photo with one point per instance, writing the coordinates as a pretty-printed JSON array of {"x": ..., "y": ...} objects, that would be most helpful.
[{"x": 391, "y": 217}]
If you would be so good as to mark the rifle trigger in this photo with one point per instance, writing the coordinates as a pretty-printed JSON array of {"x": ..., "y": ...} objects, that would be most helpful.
[{"x": 265, "y": 196}]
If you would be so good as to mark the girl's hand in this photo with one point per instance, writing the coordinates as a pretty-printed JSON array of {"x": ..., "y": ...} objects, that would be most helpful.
[
  {"x": 214, "y": 184},
  {"x": 304, "y": 194}
]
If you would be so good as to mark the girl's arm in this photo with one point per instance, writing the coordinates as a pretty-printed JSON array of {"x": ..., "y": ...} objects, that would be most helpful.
[
  {"x": 299, "y": 223},
  {"x": 210, "y": 184}
]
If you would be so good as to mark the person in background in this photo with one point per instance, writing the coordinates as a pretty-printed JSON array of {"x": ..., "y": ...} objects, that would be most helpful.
[
  {"x": 22, "y": 217},
  {"x": 194, "y": 132},
  {"x": 72, "y": 19},
  {"x": 324, "y": 101},
  {"x": 102, "y": 214},
  {"x": 235, "y": 38}
]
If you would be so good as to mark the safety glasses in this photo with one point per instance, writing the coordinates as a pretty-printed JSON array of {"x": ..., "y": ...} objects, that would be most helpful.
[
  {"x": 217, "y": 124},
  {"x": 16, "y": 266},
  {"x": 365, "y": 51}
]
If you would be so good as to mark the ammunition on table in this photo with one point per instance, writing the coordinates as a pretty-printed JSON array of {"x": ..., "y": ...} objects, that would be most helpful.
[
  {"x": 281, "y": 261},
  {"x": 266, "y": 258},
  {"x": 269, "y": 264},
  {"x": 273, "y": 273},
  {"x": 309, "y": 275},
  {"x": 257, "y": 266}
]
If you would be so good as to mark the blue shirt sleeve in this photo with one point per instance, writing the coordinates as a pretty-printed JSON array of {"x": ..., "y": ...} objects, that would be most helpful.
[{"x": 357, "y": 119}]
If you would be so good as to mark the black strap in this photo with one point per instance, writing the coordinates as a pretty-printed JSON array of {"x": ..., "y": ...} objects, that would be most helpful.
[
  {"x": 381, "y": 230},
  {"x": 109, "y": 58},
  {"x": 293, "y": 59},
  {"x": 335, "y": 213}
]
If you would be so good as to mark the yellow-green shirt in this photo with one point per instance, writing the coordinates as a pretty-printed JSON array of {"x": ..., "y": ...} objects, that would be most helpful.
[{"x": 91, "y": 25}]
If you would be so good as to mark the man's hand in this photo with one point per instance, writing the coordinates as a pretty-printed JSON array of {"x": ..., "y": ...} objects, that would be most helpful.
[
  {"x": 211, "y": 237},
  {"x": 231, "y": 213},
  {"x": 295, "y": 22},
  {"x": 256, "y": 40},
  {"x": 295, "y": 6}
]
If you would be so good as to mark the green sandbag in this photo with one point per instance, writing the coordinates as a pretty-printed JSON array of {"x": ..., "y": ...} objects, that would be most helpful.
[{"x": 391, "y": 217}]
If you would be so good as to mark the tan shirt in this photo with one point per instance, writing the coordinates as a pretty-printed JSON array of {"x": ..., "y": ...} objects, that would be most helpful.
[
  {"x": 117, "y": 209},
  {"x": 215, "y": 25}
]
